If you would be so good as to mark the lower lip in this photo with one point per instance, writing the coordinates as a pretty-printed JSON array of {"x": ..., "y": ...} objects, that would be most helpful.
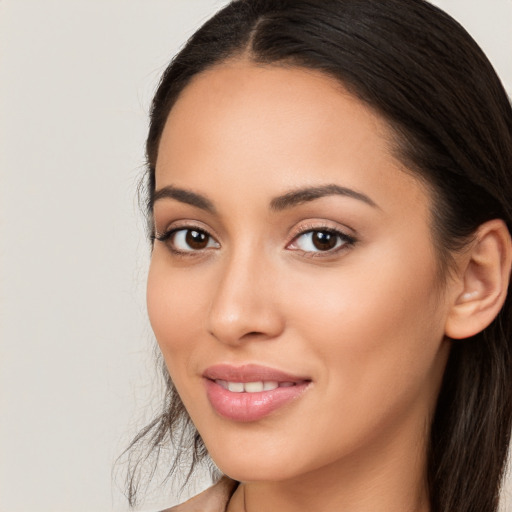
[{"x": 245, "y": 407}]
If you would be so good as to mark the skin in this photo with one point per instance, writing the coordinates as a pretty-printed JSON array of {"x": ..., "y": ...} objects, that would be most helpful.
[{"x": 365, "y": 321}]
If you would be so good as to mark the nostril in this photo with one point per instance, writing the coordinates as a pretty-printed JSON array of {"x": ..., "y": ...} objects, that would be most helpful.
[{"x": 253, "y": 335}]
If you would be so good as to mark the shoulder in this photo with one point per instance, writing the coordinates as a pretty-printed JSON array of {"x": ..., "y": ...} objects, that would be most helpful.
[{"x": 214, "y": 499}]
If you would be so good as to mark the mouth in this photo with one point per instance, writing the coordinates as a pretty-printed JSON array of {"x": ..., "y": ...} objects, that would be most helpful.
[
  {"x": 251, "y": 392},
  {"x": 253, "y": 387}
]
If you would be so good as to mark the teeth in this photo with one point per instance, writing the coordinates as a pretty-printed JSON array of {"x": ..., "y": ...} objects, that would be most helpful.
[
  {"x": 236, "y": 387},
  {"x": 222, "y": 383},
  {"x": 252, "y": 387}
]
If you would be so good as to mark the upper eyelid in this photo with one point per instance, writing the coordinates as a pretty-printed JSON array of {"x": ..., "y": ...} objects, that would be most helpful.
[
  {"x": 322, "y": 224},
  {"x": 178, "y": 225}
]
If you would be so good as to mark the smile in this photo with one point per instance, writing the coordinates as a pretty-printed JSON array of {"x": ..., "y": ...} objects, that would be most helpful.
[
  {"x": 251, "y": 392},
  {"x": 253, "y": 387}
]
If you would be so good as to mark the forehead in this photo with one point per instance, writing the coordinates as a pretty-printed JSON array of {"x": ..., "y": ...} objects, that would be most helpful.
[
  {"x": 242, "y": 99},
  {"x": 263, "y": 129}
]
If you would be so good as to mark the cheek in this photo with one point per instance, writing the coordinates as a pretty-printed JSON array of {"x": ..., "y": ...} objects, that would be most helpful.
[
  {"x": 176, "y": 314},
  {"x": 378, "y": 328},
  {"x": 175, "y": 309}
]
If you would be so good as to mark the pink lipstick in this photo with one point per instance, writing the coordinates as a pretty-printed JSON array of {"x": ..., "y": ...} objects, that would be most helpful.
[{"x": 251, "y": 392}]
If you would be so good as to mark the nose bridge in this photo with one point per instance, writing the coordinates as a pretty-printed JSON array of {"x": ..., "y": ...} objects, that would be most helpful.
[{"x": 244, "y": 300}]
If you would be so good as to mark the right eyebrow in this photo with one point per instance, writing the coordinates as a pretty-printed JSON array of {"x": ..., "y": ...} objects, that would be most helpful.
[{"x": 184, "y": 196}]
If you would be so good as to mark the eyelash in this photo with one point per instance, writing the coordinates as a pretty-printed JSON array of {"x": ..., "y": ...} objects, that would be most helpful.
[
  {"x": 167, "y": 236},
  {"x": 347, "y": 241}
]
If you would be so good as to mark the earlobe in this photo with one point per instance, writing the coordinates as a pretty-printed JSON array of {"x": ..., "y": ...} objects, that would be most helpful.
[{"x": 484, "y": 276}]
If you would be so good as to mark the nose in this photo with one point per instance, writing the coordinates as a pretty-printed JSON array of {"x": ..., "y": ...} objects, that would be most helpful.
[{"x": 245, "y": 302}]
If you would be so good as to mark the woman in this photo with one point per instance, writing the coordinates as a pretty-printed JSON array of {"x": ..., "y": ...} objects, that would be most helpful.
[{"x": 328, "y": 196}]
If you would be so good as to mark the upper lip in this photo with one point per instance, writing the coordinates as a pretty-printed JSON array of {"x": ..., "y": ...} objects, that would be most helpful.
[{"x": 249, "y": 373}]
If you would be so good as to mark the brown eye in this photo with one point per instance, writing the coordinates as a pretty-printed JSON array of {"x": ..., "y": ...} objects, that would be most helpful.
[
  {"x": 190, "y": 240},
  {"x": 323, "y": 240},
  {"x": 196, "y": 239}
]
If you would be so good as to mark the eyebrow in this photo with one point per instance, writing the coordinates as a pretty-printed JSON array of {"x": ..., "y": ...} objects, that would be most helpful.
[
  {"x": 184, "y": 196},
  {"x": 304, "y": 195},
  {"x": 283, "y": 202}
]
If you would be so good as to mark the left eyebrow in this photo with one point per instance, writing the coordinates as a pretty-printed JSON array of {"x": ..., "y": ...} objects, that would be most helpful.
[{"x": 304, "y": 195}]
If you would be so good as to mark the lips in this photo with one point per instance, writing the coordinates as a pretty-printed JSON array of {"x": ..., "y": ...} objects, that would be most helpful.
[{"x": 251, "y": 392}]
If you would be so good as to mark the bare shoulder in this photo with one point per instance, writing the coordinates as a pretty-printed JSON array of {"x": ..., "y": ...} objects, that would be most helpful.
[{"x": 213, "y": 499}]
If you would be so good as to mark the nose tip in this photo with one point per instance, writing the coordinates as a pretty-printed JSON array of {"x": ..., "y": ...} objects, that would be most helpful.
[
  {"x": 244, "y": 307},
  {"x": 243, "y": 325}
]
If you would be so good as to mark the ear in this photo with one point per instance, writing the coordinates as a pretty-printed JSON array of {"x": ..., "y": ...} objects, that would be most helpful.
[{"x": 484, "y": 277}]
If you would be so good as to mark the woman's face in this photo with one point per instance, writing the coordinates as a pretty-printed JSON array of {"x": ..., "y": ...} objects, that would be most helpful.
[{"x": 294, "y": 266}]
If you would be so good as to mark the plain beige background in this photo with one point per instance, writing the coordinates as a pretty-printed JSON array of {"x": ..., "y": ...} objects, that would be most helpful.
[{"x": 76, "y": 367}]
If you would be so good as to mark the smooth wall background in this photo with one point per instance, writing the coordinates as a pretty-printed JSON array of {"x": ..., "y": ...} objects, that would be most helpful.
[{"x": 76, "y": 352}]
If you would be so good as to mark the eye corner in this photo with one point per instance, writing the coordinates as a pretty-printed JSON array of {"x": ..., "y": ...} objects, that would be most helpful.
[{"x": 160, "y": 236}]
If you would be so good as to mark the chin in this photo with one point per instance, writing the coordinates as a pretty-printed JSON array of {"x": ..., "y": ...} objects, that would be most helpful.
[
  {"x": 271, "y": 471},
  {"x": 259, "y": 460}
]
